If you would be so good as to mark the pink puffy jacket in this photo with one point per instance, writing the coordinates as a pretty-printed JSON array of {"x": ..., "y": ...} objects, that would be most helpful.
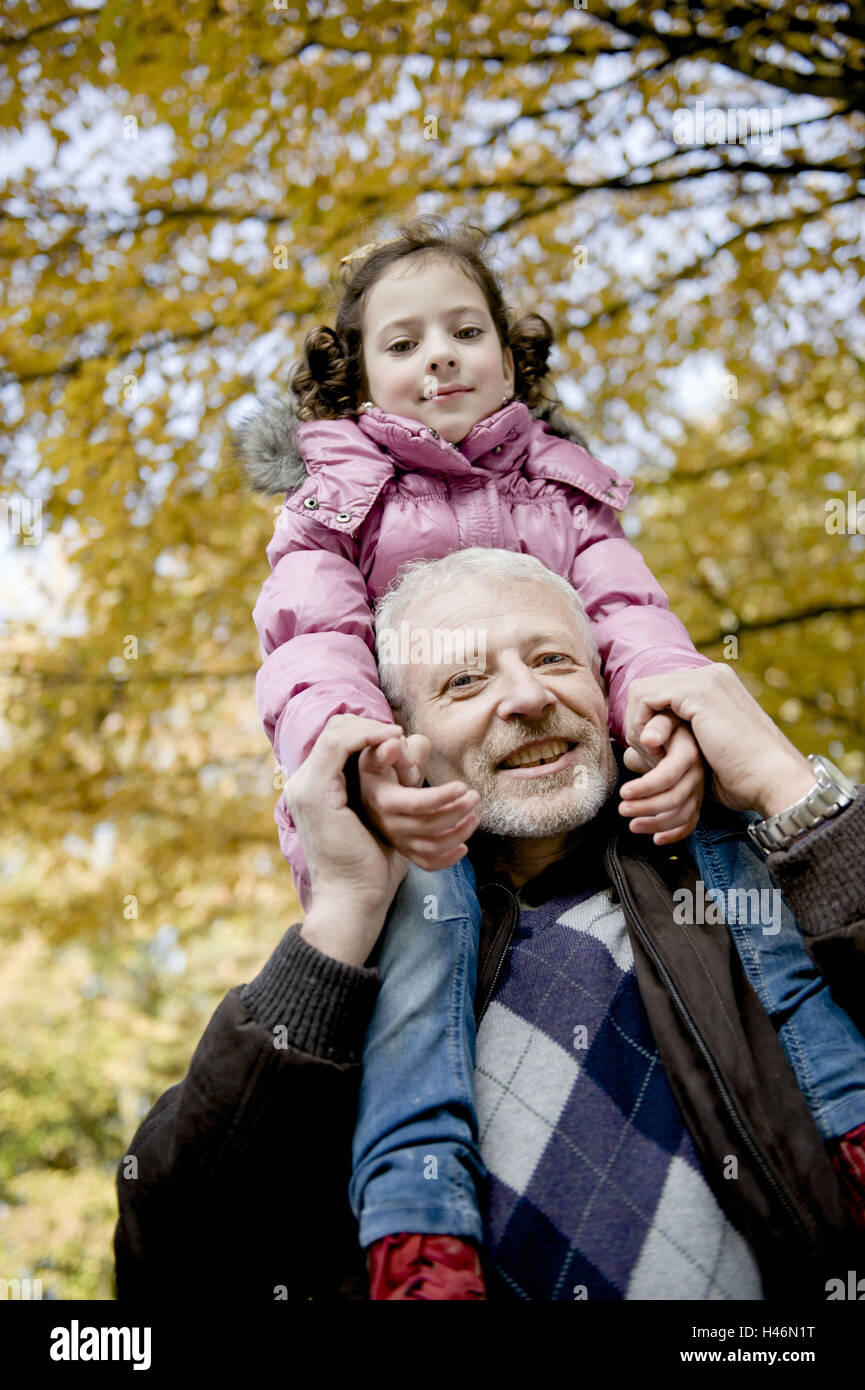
[{"x": 363, "y": 496}]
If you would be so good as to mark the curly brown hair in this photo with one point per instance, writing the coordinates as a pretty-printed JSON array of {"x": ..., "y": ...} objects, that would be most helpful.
[{"x": 328, "y": 381}]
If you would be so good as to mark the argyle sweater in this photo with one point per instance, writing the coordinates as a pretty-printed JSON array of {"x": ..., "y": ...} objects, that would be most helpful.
[{"x": 595, "y": 1188}]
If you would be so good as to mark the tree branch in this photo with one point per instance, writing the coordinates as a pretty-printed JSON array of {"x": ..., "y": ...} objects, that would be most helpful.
[
  {"x": 540, "y": 111},
  {"x": 783, "y": 620},
  {"x": 12, "y": 40},
  {"x": 686, "y": 272},
  {"x": 629, "y": 182},
  {"x": 125, "y": 682},
  {"x": 745, "y": 57}
]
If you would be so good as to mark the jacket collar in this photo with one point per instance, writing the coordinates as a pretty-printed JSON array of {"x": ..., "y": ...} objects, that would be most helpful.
[
  {"x": 344, "y": 464},
  {"x": 504, "y": 442},
  {"x": 353, "y": 458},
  {"x": 561, "y": 461},
  {"x": 492, "y": 445}
]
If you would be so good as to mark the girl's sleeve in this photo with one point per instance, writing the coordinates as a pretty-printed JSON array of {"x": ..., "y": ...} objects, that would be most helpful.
[
  {"x": 314, "y": 623},
  {"x": 636, "y": 633}
]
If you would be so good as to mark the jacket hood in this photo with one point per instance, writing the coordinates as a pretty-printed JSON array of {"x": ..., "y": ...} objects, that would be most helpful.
[{"x": 267, "y": 445}]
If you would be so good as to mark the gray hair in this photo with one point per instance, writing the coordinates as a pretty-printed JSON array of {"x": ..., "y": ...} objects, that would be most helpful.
[{"x": 421, "y": 579}]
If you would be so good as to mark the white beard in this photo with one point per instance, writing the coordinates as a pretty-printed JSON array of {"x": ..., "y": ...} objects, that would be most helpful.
[{"x": 531, "y": 807}]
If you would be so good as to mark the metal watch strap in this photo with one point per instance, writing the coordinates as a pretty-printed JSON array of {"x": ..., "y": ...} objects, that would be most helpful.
[{"x": 833, "y": 791}]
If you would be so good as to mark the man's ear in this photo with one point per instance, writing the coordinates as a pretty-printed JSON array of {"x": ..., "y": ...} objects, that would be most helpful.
[
  {"x": 420, "y": 750},
  {"x": 402, "y": 716}
]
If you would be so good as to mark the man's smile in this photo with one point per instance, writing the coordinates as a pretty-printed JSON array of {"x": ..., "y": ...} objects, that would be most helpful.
[{"x": 540, "y": 757}]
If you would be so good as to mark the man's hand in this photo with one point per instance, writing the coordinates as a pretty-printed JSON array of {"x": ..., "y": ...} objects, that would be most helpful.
[
  {"x": 666, "y": 802},
  {"x": 353, "y": 876},
  {"x": 429, "y": 825},
  {"x": 754, "y": 766}
]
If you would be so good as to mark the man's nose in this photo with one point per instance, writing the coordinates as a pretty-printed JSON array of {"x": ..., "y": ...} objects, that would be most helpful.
[{"x": 524, "y": 694}]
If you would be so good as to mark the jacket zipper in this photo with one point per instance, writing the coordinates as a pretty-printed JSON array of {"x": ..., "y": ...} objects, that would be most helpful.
[
  {"x": 732, "y": 1108},
  {"x": 492, "y": 987}
]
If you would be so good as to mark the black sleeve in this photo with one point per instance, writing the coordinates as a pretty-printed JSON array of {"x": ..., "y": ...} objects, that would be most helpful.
[
  {"x": 823, "y": 879},
  {"x": 236, "y": 1183}
]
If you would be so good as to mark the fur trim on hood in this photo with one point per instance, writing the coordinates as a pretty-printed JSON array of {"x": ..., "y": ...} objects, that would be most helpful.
[{"x": 265, "y": 443}]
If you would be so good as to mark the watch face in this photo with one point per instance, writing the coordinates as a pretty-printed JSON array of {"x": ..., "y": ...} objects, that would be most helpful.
[{"x": 835, "y": 776}]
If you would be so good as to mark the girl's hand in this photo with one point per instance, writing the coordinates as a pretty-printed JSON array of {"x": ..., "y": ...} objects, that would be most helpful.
[
  {"x": 353, "y": 877},
  {"x": 429, "y": 825},
  {"x": 665, "y": 803}
]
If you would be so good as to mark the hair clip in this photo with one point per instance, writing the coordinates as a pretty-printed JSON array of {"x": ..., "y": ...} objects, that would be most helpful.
[{"x": 364, "y": 251}]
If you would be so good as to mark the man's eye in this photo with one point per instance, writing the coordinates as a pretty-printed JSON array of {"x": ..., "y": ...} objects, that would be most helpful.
[
  {"x": 461, "y": 682},
  {"x": 553, "y": 656}
]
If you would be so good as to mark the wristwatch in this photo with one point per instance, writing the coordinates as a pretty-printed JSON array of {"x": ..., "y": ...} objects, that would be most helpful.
[{"x": 832, "y": 793}]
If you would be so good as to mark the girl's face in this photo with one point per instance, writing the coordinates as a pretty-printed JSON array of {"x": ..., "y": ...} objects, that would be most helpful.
[{"x": 427, "y": 329}]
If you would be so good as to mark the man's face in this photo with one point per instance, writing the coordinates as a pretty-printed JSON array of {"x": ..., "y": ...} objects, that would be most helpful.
[
  {"x": 427, "y": 329},
  {"x": 529, "y": 730}
]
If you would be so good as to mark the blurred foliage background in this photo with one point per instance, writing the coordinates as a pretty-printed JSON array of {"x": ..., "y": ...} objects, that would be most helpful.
[{"x": 179, "y": 180}]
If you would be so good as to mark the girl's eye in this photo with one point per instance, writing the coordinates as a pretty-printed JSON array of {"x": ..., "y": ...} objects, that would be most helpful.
[{"x": 469, "y": 328}]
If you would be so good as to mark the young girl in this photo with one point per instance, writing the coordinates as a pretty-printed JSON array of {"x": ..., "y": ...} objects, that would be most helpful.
[{"x": 425, "y": 425}]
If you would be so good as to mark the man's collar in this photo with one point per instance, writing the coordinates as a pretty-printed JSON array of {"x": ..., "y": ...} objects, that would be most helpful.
[
  {"x": 585, "y": 853},
  {"x": 583, "y": 860},
  {"x": 585, "y": 856}
]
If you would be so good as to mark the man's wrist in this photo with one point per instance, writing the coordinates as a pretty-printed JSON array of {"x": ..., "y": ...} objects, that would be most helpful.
[
  {"x": 830, "y": 793},
  {"x": 788, "y": 782},
  {"x": 342, "y": 927}
]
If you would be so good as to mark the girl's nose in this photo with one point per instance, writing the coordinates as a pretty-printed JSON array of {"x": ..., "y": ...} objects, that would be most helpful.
[{"x": 440, "y": 352}]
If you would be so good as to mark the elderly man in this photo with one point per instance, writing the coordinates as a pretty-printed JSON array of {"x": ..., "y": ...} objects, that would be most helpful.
[{"x": 676, "y": 1158}]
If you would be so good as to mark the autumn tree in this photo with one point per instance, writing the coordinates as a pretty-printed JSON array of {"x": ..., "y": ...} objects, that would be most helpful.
[{"x": 678, "y": 188}]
